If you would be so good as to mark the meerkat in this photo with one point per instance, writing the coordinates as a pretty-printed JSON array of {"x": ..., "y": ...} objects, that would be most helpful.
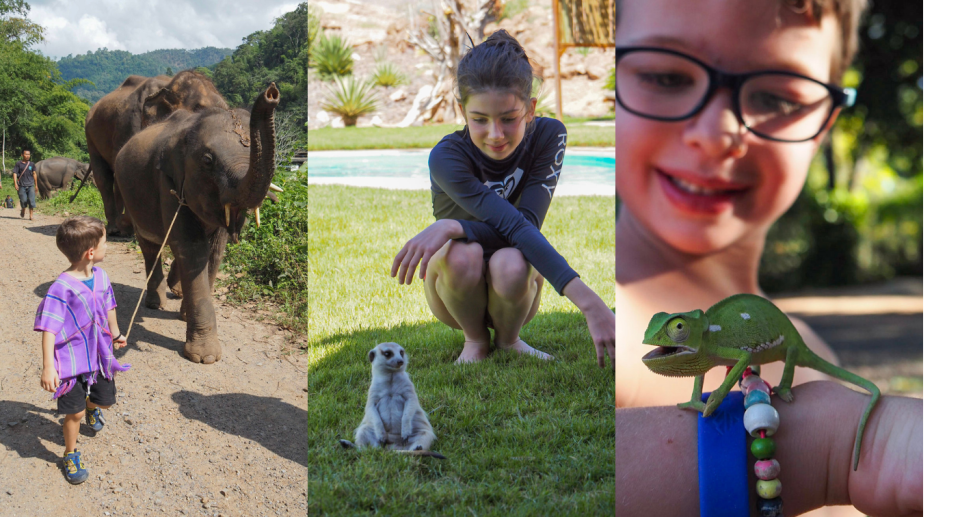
[{"x": 393, "y": 417}]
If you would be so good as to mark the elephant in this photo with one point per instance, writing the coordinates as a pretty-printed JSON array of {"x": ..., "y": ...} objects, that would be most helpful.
[
  {"x": 214, "y": 165},
  {"x": 58, "y": 174},
  {"x": 126, "y": 111}
]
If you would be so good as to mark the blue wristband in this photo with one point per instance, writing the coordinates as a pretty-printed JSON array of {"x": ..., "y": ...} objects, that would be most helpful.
[{"x": 722, "y": 460}]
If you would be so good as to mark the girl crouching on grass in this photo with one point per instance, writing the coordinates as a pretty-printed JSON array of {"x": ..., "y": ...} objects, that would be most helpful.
[{"x": 492, "y": 182}]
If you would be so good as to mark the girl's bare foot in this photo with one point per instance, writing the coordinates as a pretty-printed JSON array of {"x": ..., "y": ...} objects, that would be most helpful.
[
  {"x": 522, "y": 348},
  {"x": 473, "y": 351}
]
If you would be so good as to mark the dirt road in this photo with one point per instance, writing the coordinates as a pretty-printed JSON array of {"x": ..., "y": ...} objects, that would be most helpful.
[{"x": 183, "y": 439}]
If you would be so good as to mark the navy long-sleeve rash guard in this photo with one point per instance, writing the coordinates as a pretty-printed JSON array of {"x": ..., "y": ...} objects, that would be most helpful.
[{"x": 502, "y": 203}]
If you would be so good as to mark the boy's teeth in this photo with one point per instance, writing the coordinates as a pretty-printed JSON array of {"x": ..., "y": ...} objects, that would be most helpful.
[{"x": 693, "y": 189}]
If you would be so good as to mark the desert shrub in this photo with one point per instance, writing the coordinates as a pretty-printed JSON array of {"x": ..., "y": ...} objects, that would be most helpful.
[
  {"x": 331, "y": 56},
  {"x": 349, "y": 98},
  {"x": 387, "y": 74}
]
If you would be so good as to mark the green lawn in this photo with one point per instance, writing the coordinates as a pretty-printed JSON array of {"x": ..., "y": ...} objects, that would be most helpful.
[
  {"x": 423, "y": 137},
  {"x": 522, "y": 436}
]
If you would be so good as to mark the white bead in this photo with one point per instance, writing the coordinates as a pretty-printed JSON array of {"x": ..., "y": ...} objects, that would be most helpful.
[{"x": 761, "y": 417}]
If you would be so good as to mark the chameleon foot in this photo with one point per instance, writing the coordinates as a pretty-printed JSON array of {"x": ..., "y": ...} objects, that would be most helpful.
[
  {"x": 693, "y": 404},
  {"x": 785, "y": 394}
]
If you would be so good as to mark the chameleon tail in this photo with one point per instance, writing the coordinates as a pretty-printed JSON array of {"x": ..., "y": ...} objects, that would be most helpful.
[{"x": 813, "y": 361}]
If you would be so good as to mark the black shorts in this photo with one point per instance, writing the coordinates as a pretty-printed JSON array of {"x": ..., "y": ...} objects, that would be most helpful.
[{"x": 102, "y": 393}]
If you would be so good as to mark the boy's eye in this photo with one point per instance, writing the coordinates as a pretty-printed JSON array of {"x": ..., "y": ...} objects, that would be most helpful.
[
  {"x": 665, "y": 80},
  {"x": 766, "y": 102}
]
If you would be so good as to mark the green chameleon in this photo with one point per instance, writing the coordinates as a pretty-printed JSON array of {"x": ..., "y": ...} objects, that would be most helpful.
[{"x": 738, "y": 331}]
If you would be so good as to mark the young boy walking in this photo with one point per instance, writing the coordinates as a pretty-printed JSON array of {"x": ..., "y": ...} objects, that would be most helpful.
[{"x": 78, "y": 318}]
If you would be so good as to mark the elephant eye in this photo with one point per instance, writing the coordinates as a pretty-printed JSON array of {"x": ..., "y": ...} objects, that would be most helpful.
[{"x": 207, "y": 159}]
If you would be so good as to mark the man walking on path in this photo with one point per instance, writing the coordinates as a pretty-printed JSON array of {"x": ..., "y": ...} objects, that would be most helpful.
[{"x": 25, "y": 182}]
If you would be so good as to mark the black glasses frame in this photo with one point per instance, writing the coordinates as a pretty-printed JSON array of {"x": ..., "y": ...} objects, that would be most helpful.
[{"x": 840, "y": 97}]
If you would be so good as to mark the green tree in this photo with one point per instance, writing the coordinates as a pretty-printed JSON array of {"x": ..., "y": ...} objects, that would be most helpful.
[
  {"x": 277, "y": 55},
  {"x": 14, "y": 25}
]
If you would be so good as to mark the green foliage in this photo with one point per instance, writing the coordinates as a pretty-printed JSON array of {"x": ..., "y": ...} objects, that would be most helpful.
[
  {"x": 331, "y": 56},
  {"x": 512, "y": 8},
  {"x": 583, "y": 51},
  {"x": 270, "y": 262},
  {"x": 37, "y": 109},
  {"x": 887, "y": 73},
  {"x": 523, "y": 437},
  {"x": 88, "y": 202},
  {"x": 14, "y": 25},
  {"x": 387, "y": 74},
  {"x": 107, "y": 69},
  {"x": 276, "y": 55},
  {"x": 350, "y": 99},
  {"x": 611, "y": 82}
]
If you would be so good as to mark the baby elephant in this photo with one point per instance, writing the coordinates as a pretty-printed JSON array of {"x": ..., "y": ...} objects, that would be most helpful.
[{"x": 393, "y": 417}]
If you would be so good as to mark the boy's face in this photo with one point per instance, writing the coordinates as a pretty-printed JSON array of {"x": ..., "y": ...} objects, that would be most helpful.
[
  {"x": 101, "y": 250},
  {"x": 497, "y": 120},
  {"x": 705, "y": 183}
]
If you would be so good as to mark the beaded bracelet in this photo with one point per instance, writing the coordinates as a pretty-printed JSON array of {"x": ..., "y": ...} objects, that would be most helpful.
[{"x": 761, "y": 420}]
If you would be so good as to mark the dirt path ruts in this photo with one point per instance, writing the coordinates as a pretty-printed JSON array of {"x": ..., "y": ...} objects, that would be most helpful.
[{"x": 183, "y": 438}]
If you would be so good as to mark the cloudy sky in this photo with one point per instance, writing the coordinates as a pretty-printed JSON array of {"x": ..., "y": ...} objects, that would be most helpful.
[{"x": 139, "y": 26}]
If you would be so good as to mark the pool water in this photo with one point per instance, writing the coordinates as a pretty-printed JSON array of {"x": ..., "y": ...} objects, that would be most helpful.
[{"x": 584, "y": 172}]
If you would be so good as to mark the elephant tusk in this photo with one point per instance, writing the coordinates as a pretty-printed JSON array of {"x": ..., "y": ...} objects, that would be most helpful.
[
  {"x": 256, "y": 212},
  {"x": 226, "y": 212},
  {"x": 275, "y": 188}
]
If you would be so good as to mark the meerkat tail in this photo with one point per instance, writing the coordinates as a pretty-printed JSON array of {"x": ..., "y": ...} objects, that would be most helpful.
[
  {"x": 346, "y": 444},
  {"x": 431, "y": 454}
]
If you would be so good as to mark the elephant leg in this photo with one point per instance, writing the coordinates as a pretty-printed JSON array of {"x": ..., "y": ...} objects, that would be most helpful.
[
  {"x": 151, "y": 257},
  {"x": 103, "y": 175},
  {"x": 192, "y": 252},
  {"x": 173, "y": 280}
]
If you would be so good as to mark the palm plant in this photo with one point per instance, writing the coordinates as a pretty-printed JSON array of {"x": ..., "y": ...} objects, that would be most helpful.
[
  {"x": 331, "y": 55},
  {"x": 387, "y": 74},
  {"x": 350, "y": 98}
]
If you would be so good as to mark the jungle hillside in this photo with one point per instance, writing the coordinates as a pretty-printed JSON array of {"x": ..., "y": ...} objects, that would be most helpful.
[{"x": 108, "y": 68}]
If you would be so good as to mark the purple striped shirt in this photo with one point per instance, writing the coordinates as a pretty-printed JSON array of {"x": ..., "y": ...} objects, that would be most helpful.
[{"x": 77, "y": 317}]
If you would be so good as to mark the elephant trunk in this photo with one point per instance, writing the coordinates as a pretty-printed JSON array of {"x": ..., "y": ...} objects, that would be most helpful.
[{"x": 255, "y": 184}]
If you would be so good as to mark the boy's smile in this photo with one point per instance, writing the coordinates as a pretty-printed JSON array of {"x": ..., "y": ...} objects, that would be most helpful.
[{"x": 705, "y": 183}]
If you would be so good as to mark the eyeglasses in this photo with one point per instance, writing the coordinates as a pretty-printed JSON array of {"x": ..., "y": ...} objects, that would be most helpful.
[{"x": 662, "y": 84}]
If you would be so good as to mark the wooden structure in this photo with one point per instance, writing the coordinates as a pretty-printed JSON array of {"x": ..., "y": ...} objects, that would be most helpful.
[{"x": 581, "y": 23}]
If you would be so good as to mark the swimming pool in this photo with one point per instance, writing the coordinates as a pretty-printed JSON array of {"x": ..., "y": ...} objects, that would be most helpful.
[{"x": 586, "y": 172}]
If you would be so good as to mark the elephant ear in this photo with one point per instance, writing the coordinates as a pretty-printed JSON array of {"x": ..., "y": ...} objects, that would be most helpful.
[{"x": 158, "y": 107}]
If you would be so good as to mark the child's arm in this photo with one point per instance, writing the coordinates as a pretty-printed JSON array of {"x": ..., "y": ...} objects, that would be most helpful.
[
  {"x": 48, "y": 378},
  {"x": 119, "y": 339}
]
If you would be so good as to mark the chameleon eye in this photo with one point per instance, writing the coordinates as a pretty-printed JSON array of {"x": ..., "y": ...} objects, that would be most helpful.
[{"x": 678, "y": 330}]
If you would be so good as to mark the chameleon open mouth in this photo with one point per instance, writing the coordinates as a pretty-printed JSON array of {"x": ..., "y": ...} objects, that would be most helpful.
[{"x": 666, "y": 351}]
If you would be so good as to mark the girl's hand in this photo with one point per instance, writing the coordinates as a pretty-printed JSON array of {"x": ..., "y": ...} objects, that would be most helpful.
[
  {"x": 600, "y": 319},
  {"x": 603, "y": 329},
  {"x": 120, "y": 342},
  {"x": 49, "y": 380},
  {"x": 422, "y": 247}
]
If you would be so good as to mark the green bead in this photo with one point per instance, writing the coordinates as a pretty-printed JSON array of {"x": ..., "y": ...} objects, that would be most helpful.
[{"x": 763, "y": 448}]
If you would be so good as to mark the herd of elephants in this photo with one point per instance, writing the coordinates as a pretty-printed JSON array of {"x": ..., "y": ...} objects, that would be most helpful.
[{"x": 157, "y": 143}]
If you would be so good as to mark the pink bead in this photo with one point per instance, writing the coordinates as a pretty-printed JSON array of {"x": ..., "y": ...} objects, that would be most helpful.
[
  {"x": 752, "y": 382},
  {"x": 766, "y": 469}
]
